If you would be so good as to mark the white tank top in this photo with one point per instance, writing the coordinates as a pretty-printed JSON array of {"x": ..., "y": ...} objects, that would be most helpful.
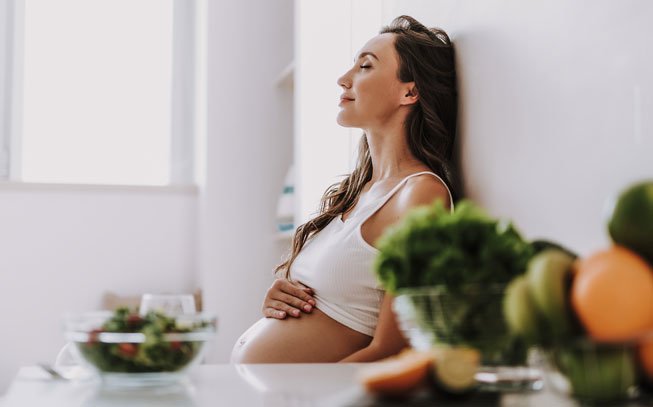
[{"x": 337, "y": 264}]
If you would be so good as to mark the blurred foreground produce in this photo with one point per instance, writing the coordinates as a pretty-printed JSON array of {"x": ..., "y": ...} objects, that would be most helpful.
[
  {"x": 467, "y": 258},
  {"x": 520, "y": 312},
  {"x": 593, "y": 316},
  {"x": 396, "y": 376},
  {"x": 454, "y": 371},
  {"x": 645, "y": 356},
  {"x": 631, "y": 219},
  {"x": 434, "y": 246},
  {"x": 612, "y": 294},
  {"x": 536, "y": 305},
  {"x": 447, "y": 370},
  {"x": 548, "y": 281},
  {"x": 600, "y": 373}
]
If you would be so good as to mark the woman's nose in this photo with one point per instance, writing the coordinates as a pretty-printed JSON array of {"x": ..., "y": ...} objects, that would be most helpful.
[{"x": 344, "y": 81}]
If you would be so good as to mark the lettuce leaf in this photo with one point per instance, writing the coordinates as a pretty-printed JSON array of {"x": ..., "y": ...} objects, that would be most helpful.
[{"x": 433, "y": 246}]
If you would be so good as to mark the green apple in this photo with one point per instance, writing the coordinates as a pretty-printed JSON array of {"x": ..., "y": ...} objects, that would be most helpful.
[
  {"x": 520, "y": 311},
  {"x": 548, "y": 276}
]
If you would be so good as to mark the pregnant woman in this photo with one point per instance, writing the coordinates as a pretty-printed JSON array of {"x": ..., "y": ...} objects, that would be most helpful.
[{"x": 326, "y": 305}]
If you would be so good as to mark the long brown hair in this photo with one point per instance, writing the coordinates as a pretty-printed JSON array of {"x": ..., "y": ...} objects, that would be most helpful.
[{"x": 426, "y": 56}]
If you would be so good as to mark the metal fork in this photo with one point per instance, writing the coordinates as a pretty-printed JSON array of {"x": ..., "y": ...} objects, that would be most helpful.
[{"x": 52, "y": 372}]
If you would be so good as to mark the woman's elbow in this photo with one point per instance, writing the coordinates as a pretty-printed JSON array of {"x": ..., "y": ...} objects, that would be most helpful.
[{"x": 372, "y": 353}]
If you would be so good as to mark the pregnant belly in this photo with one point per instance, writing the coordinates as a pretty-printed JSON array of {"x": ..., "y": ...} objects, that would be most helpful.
[{"x": 312, "y": 338}]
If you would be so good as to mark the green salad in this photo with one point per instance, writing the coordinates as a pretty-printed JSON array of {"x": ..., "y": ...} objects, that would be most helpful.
[
  {"x": 162, "y": 347},
  {"x": 433, "y": 246},
  {"x": 469, "y": 256}
]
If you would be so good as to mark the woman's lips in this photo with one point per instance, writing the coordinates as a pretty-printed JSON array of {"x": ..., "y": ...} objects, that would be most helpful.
[{"x": 344, "y": 101}]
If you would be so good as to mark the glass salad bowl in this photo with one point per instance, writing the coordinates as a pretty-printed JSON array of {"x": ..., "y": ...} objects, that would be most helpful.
[
  {"x": 128, "y": 349},
  {"x": 469, "y": 316}
]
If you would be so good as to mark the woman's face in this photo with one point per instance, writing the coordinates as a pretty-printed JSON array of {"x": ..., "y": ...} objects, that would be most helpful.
[{"x": 372, "y": 93}]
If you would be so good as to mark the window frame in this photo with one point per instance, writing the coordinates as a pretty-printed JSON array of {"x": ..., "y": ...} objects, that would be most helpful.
[{"x": 7, "y": 84}]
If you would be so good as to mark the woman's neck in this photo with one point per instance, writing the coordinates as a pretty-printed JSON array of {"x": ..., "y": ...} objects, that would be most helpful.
[{"x": 391, "y": 156}]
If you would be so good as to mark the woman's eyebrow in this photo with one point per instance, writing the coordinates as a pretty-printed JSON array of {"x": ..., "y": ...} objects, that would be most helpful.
[{"x": 363, "y": 54}]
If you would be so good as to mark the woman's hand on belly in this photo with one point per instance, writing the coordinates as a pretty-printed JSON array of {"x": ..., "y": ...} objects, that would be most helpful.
[
  {"x": 286, "y": 297},
  {"x": 315, "y": 338}
]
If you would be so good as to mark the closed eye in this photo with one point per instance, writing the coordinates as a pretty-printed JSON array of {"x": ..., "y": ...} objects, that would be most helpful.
[{"x": 365, "y": 66}]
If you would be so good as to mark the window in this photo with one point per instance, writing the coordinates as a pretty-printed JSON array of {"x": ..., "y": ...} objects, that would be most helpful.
[{"x": 100, "y": 91}]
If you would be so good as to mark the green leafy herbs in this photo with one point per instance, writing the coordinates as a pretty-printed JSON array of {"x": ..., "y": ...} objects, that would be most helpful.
[
  {"x": 155, "y": 354},
  {"x": 434, "y": 246},
  {"x": 468, "y": 257}
]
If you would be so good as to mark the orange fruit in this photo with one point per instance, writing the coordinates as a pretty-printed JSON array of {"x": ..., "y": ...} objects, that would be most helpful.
[
  {"x": 612, "y": 294},
  {"x": 630, "y": 222},
  {"x": 645, "y": 355},
  {"x": 397, "y": 375}
]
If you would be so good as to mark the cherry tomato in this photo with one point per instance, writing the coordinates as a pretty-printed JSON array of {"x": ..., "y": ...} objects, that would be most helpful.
[{"x": 127, "y": 349}]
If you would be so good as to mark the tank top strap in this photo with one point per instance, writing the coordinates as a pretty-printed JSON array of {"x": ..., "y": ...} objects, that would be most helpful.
[{"x": 396, "y": 188}]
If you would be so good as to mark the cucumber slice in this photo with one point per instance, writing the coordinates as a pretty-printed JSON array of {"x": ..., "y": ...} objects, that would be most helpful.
[{"x": 455, "y": 369}]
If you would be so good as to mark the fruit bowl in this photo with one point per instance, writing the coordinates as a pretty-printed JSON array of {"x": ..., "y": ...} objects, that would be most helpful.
[
  {"x": 470, "y": 316},
  {"x": 128, "y": 349},
  {"x": 594, "y": 372}
]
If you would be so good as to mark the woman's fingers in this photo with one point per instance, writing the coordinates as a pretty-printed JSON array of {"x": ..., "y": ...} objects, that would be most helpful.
[
  {"x": 297, "y": 290},
  {"x": 285, "y": 298},
  {"x": 283, "y": 307},
  {"x": 274, "y": 313},
  {"x": 293, "y": 301},
  {"x": 303, "y": 287},
  {"x": 310, "y": 292}
]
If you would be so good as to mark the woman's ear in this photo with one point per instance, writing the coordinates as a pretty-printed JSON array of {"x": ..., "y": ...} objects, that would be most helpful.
[{"x": 411, "y": 95}]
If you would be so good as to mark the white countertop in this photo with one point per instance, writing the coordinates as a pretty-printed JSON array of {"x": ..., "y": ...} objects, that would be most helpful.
[{"x": 274, "y": 385}]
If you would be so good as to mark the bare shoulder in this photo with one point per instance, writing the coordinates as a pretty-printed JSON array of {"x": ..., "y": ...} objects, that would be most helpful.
[
  {"x": 418, "y": 191},
  {"x": 422, "y": 190}
]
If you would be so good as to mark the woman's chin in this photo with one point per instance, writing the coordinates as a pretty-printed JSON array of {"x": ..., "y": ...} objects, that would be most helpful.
[{"x": 342, "y": 121}]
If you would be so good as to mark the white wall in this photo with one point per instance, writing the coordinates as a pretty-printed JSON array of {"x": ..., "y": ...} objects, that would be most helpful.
[
  {"x": 249, "y": 148},
  {"x": 323, "y": 53},
  {"x": 557, "y": 99},
  {"x": 329, "y": 34},
  {"x": 63, "y": 247}
]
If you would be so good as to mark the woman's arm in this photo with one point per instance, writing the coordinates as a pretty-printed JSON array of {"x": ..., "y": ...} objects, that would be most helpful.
[{"x": 388, "y": 339}]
